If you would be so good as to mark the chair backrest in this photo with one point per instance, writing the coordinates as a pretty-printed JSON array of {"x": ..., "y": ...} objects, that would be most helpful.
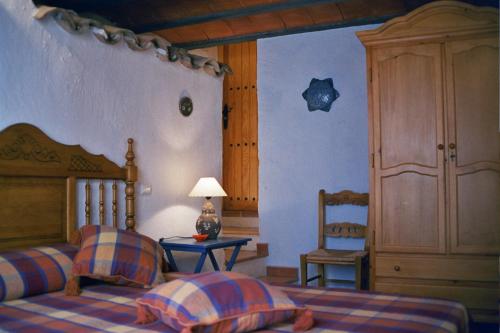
[{"x": 340, "y": 229}]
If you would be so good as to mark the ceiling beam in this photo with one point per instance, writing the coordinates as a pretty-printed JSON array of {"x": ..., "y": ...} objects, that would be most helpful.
[
  {"x": 259, "y": 35},
  {"x": 95, "y": 6},
  {"x": 227, "y": 14},
  {"x": 413, "y": 4}
]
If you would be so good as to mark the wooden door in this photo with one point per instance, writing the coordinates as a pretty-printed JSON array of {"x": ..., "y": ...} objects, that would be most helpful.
[
  {"x": 408, "y": 142},
  {"x": 240, "y": 145},
  {"x": 473, "y": 145}
]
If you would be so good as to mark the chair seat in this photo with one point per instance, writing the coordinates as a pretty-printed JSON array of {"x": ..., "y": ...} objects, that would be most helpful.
[{"x": 334, "y": 256}]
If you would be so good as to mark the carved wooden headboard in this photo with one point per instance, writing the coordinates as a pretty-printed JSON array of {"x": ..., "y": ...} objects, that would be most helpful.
[{"x": 38, "y": 187}]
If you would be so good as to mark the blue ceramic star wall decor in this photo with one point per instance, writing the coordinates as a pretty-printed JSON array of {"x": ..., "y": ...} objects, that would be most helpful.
[{"x": 320, "y": 95}]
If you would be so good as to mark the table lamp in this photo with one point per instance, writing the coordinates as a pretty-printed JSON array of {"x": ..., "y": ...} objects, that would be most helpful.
[{"x": 208, "y": 222}]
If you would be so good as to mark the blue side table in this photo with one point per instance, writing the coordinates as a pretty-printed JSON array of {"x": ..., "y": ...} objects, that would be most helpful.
[{"x": 204, "y": 248}]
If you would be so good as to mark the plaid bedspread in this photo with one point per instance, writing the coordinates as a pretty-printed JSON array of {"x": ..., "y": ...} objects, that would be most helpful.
[{"x": 104, "y": 308}]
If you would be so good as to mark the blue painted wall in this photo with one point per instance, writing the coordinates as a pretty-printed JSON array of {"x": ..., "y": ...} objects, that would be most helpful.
[{"x": 301, "y": 152}]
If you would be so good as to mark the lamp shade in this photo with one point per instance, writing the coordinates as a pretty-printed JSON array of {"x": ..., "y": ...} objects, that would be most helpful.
[{"x": 207, "y": 187}]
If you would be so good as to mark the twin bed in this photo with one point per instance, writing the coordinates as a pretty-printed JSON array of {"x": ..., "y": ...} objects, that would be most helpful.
[
  {"x": 106, "y": 308},
  {"x": 38, "y": 206}
]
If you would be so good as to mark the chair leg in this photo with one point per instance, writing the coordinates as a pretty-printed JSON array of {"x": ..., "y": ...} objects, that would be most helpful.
[
  {"x": 321, "y": 272},
  {"x": 303, "y": 270},
  {"x": 359, "y": 271},
  {"x": 366, "y": 273}
]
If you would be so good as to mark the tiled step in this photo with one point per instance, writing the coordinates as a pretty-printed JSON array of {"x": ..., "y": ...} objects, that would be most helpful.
[
  {"x": 281, "y": 275},
  {"x": 247, "y": 233},
  {"x": 240, "y": 231},
  {"x": 237, "y": 213},
  {"x": 255, "y": 267},
  {"x": 240, "y": 222},
  {"x": 261, "y": 251},
  {"x": 278, "y": 279},
  {"x": 244, "y": 255}
]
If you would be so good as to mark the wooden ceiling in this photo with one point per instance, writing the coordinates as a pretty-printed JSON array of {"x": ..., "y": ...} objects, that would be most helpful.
[{"x": 202, "y": 23}]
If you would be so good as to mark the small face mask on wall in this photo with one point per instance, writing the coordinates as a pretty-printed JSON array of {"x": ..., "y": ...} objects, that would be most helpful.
[{"x": 186, "y": 106}]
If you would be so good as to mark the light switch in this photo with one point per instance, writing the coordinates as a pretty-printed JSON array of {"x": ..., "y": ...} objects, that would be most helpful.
[{"x": 146, "y": 189}]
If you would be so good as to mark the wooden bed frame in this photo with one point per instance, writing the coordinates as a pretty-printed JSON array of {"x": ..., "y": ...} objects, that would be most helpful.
[{"x": 38, "y": 187}]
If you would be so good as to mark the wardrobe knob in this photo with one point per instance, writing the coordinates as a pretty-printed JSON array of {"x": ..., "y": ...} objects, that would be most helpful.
[
  {"x": 397, "y": 268},
  {"x": 452, "y": 146},
  {"x": 440, "y": 146}
]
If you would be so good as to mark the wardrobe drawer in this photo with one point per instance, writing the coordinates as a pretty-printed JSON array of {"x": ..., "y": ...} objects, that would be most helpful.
[
  {"x": 460, "y": 269},
  {"x": 471, "y": 296}
]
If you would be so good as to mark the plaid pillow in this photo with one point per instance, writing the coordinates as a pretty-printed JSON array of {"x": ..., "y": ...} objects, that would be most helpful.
[
  {"x": 118, "y": 256},
  {"x": 224, "y": 302},
  {"x": 35, "y": 271}
]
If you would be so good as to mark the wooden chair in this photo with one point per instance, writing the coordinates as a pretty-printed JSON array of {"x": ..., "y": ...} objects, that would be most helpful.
[{"x": 325, "y": 256}]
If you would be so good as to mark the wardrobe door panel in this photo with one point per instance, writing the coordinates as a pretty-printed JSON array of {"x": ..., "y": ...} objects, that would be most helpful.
[
  {"x": 474, "y": 145},
  {"x": 475, "y": 101},
  {"x": 408, "y": 144},
  {"x": 410, "y": 212},
  {"x": 477, "y": 213},
  {"x": 408, "y": 107}
]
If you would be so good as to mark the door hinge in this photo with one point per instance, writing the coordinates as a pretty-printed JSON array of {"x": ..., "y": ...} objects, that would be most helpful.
[
  {"x": 370, "y": 75},
  {"x": 373, "y": 160}
]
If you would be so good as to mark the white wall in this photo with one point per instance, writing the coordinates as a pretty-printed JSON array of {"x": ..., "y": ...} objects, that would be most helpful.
[
  {"x": 301, "y": 152},
  {"x": 80, "y": 91}
]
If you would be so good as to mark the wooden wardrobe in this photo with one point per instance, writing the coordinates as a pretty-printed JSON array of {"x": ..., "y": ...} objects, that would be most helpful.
[{"x": 435, "y": 149}]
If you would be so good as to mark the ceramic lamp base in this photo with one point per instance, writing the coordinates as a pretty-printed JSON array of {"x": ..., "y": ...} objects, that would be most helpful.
[{"x": 208, "y": 222}]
